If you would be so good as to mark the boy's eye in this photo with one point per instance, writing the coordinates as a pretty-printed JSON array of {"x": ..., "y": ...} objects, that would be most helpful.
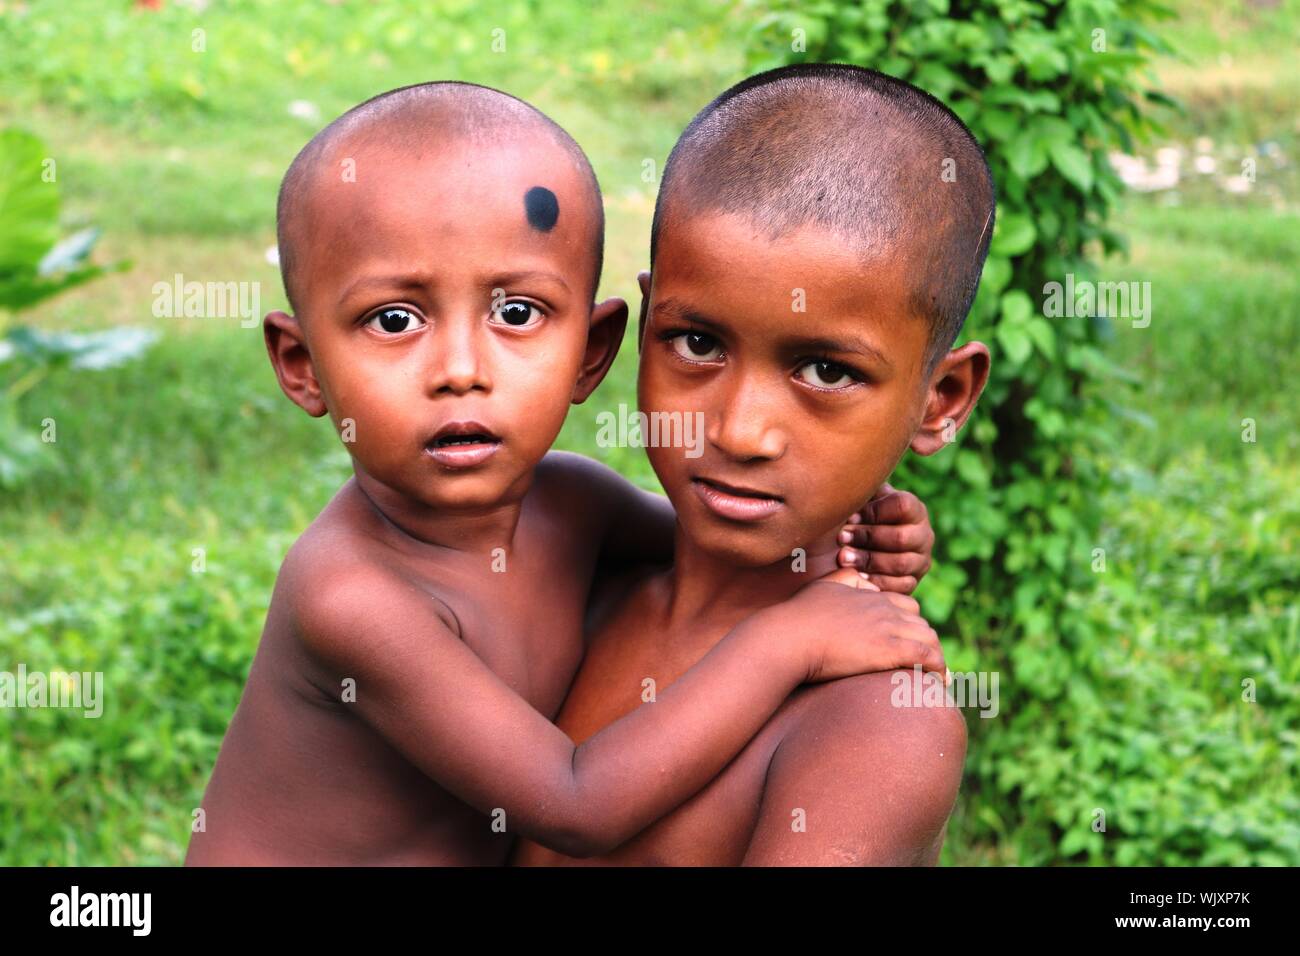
[
  {"x": 517, "y": 314},
  {"x": 697, "y": 347},
  {"x": 825, "y": 375},
  {"x": 395, "y": 320}
]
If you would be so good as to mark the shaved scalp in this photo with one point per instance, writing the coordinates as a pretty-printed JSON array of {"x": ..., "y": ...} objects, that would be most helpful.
[
  {"x": 417, "y": 118},
  {"x": 870, "y": 158}
]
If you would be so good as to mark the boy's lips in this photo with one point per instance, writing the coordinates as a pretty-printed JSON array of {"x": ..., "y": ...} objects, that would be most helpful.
[
  {"x": 736, "y": 502},
  {"x": 462, "y": 445}
]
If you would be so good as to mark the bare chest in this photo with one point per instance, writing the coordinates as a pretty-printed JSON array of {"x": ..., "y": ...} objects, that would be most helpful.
[
  {"x": 626, "y": 667},
  {"x": 528, "y": 632}
]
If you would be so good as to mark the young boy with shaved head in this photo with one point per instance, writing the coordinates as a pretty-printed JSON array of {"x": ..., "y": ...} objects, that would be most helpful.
[
  {"x": 441, "y": 250},
  {"x": 821, "y": 184}
]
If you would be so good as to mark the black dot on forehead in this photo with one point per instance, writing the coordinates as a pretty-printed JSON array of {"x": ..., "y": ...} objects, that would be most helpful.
[{"x": 542, "y": 208}]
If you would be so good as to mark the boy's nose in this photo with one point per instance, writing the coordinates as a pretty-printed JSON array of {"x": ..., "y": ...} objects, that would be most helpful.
[
  {"x": 458, "y": 365},
  {"x": 743, "y": 426}
]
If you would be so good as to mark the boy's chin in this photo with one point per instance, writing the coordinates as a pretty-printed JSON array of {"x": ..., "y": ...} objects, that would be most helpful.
[
  {"x": 465, "y": 501},
  {"x": 450, "y": 493},
  {"x": 469, "y": 493},
  {"x": 745, "y": 547}
]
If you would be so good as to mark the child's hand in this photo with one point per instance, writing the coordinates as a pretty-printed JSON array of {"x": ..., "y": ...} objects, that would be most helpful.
[
  {"x": 855, "y": 628},
  {"x": 890, "y": 539}
]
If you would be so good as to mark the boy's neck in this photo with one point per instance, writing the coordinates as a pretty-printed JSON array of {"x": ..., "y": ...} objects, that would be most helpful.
[
  {"x": 474, "y": 531},
  {"x": 705, "y": 588}
]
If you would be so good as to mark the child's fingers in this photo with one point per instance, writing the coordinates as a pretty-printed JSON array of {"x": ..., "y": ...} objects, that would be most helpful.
[
  {"x": 932, "y": 659},
  {"x": 885, "y": 491},
  {"x": 888, "y": 537},
  {"x": 899, "y": 507},
  {"x": 911, "y": 653},
  {"x": 905, "y": 604},
  {"x": 904, "y": 584},
  {"x": 849, "y": 577},
  {"x": 914, "y": 635},
  {"x": 877, "y": 562}
]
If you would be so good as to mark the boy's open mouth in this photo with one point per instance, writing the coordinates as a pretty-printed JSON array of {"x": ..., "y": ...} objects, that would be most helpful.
[
  {"x": 736, "y": 502},
  {"x": 462, "y": 445},
  {"x": 448, "y": 440}
]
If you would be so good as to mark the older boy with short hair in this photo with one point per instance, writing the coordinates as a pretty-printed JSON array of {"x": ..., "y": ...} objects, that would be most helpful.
[{"x": 822, "y": 184}]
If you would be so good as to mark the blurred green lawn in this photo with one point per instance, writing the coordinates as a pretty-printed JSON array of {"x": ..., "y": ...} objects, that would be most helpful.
[{"x": 178, "y": 154}]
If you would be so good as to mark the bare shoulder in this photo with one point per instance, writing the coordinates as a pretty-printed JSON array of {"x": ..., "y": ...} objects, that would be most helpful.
[
  {"x": 594, "y": 506},
  {"x": 876, "y": 779},
  {"x": 572, "y": 496},
  {"x": 345, "y": 598},
  {"x": 854, "y": 710},
  {"x": 583, "y": 477},
  {"x": 632, "y": 526}
]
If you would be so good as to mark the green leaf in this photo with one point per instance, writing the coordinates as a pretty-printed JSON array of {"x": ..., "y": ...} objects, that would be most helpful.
[
  {"x": 999, "y": 124},
  {"x": 1040, "y": 53},
  {"x": 1026, "y": 155},
  {"x": 1074, "y": 164},
  {"x": 996, "y": 275},
  {"x": 1077, "y": 839},
  {"x": 21, "y": 291},
  {"x": 29, "y": 206},
  {"x": 971, "y": 469},
  {"x": 1016, "y": 307},
  {"x": 1015, "y": 341},
  {"x": 1043, "y": 335},
  {"x": 1053, "y": 130},
  {"x": 1013, "y": 235}
]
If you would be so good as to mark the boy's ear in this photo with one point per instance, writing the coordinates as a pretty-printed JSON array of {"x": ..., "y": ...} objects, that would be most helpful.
[
  {"x": 643, "y": 280},
  {"x": 287, "y": 347},
  {"x": 955, "y": 386},
  {"x": 608, "y": 323}
]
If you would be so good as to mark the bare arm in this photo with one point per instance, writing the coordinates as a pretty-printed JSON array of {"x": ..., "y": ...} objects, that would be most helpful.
[
  {"x": 860, "y": 782},
  {"x": 429, "y": 695}
]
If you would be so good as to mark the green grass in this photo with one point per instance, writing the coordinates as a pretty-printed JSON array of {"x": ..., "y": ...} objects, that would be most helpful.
[
  {"x": 1224, "y": 332},
  {"x": 177, "y": 155},
  {"x": 1235, "y": 68}
]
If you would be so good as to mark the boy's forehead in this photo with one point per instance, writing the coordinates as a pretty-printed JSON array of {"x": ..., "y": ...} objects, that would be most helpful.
[
  {"x": 526, "y": 195},
  {"x": 726, "y": 262},
  {"x": 528, "y": 186}
]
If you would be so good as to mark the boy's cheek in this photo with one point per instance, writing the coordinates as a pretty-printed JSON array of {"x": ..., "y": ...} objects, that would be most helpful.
[
  {"x": 834, "y": 490},
  {"x": 670, "y": 465}
]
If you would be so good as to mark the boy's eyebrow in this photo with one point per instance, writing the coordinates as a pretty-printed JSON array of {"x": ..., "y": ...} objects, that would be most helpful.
[
  {"x": 408, "y": 282},
  {"x": 854, "y": 345},
  {"x": 528, "y": 274},
  {"x": 416, "y": 282},
  {"x": 676, "y": 309}
]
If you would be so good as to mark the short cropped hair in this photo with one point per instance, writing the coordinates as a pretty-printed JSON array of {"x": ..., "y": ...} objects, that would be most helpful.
[
  {"x": 414, "y": 116},
  {"x": 869, "y": 157}
]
